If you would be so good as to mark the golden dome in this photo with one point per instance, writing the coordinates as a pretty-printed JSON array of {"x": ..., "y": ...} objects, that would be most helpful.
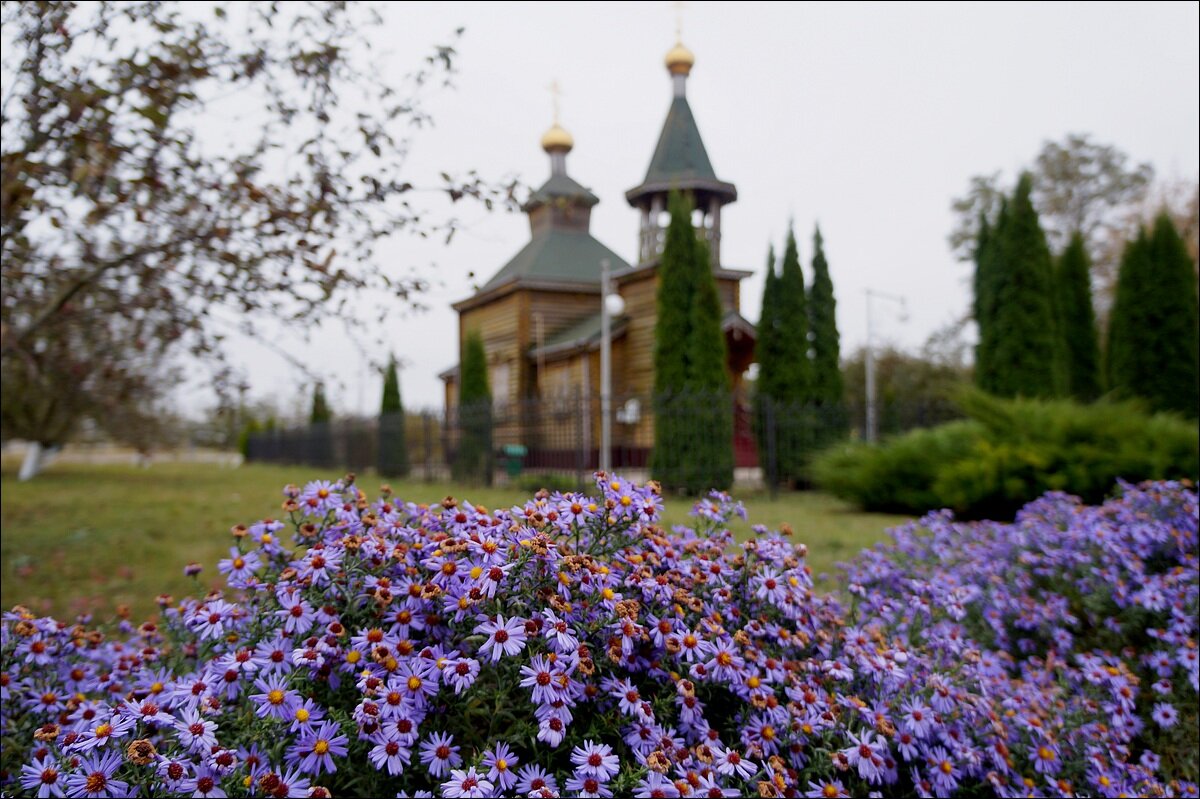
[
  {"x": 557, "y": 139},
  {"x": 679, "y": 60}
]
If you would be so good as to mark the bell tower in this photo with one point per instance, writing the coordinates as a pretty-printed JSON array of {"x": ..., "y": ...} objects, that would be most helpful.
[{"x": 681, "y": 163}]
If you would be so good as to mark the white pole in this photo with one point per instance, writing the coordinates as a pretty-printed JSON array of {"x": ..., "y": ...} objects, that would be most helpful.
[{"x": 605, "y": 372}]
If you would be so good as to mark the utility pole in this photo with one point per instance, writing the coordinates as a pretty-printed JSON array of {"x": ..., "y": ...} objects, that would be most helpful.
[
  {"x": 605, "y": 372},
  {"x": 872, "y": 409}
]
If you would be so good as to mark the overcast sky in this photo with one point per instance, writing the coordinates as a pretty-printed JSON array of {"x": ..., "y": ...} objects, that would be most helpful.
[{"x": 866, "y": 118}]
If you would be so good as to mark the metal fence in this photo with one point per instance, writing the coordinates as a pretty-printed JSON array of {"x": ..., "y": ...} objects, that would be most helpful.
[{"x": 770, "y": 443}]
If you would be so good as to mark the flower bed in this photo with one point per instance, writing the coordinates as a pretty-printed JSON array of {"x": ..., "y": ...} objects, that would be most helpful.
[{"x": 571, "y": 646}]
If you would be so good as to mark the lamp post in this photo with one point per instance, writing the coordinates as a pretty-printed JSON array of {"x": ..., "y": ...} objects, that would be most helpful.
[
  {"x": 872, "y": 411},
  {"x": 610, "y": 305}
]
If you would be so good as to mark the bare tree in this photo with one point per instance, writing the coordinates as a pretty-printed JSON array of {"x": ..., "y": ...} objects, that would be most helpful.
[{"x": 127, "y": 210}]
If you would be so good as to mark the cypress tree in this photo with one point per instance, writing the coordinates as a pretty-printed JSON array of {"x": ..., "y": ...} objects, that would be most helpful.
[
  {"x": 1023, "y": 344},
  {"x": 826, "y": 348},
  {"x": 320, "y": 408},
  {"x": 829, "y": 413},
  {"x": 1078, "y": 321},
  {"x": 985, "y": 298},
  {"x": 766, "y": 354},
  {"x": 320, "y": 430},
  {"x": 473, "y": 461},
  {"x": 689, "y": 365},
  {"x": 794, "y": 401},
  {"x": 393, "y": 447},
  {"x": 708, "y": 384},
  {"x": 1152, "y": 344}
]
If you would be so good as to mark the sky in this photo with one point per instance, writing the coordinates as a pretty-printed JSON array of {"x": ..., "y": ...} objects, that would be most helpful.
[{"x": 865, "y": 118}]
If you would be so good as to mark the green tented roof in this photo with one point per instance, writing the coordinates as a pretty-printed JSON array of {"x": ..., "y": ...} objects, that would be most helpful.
[
  {"x": 680, "y": 153},
  {"x": 582, "y": 332},
  {"x": 561, "y": 187},
  {"x": 555, "y": 254}
]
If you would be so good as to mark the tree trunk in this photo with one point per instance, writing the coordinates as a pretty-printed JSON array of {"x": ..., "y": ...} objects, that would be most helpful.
[{"x": 32, "y": 463}]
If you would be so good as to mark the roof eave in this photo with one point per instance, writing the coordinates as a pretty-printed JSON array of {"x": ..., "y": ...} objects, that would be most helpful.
[
  {"x": 487, "y": 294},
  {"x": 726, "y": 191}
]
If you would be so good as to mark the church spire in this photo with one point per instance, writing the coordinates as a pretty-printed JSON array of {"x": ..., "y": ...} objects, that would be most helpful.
[{"x": 556, "y": 141}]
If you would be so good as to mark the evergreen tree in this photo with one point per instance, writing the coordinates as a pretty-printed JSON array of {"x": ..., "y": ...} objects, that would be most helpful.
[
  {"x": 320, "y": 408},
  {"x": 826, "y": 348},
  {"x": 793, "y": 403},
  {"x": 1018, "y": 325},
  {"x": 1078, "y": 321},
  {"x": 473, "y": 461},
  {"x": 829, "y": 412},
  {"x": 1152, "y": 344},
  {"x": 766, "y": 355},
  {"x": 393, "y": 446},
  {"x": 693, "y": 438},
  {"x": 320, "y": 430},
  {"x": 708, "y": 384},
  {"x": 985, "y": 298}
]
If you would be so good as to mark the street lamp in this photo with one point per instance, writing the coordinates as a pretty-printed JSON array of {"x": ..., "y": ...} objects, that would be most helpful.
[
  {"x": 610, "y": 305},
  {"x": 872, "y": 411}
]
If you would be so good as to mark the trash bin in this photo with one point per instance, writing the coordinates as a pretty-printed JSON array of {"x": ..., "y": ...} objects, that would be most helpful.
[{"x": 514, "y": 456}]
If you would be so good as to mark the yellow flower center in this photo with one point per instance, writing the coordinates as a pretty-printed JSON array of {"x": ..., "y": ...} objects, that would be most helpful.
[
  {"x": 501, "y": 765},
  {"x": 321, "y": 747},
  {"x": 768, "y": 732},
  {"x": 1045, "y": 754},
  {"x": 238, "y": 563},
  {"x": 476, "y": 572},
  {"x": 301, "y": 714},
  {"x": 414, "y": 682},
  {"x": 353, "y": 656},
  {"x": 608, "y": 593},
  {"x": 753, "y": 682},
  {"x": 156, "y": 688},
  {"x": 275, "y": 697},
  {"x": 267, "y": 538},
  {"x": 104, "y": 730},
  {"x": 946, "y": 767}
]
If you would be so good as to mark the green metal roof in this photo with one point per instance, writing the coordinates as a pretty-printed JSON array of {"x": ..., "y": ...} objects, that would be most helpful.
[
  {"x": 560, "y": 187},
  {"x": 680, "y": 153},
  {"x": 559, "y": 255},
  {"x": 585, "y": 331}
]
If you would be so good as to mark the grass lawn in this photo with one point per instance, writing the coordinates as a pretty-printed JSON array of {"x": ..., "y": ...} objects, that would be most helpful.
[{"x": 85, "y": 538}]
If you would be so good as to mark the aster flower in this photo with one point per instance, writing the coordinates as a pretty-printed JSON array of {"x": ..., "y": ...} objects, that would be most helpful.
[
  {"x": 655, "y": 785},
  {"x": 391, "y": 754},
  {"x": 42, "y": 776},
  {"x": 539, "y": 676},
  {"x": 275, "y": 699},
  {"x": 439, "y": 754},
  {"x": 460, "y": 673},
  {"x": 730, "y": 763},
  {"x": 532, "y": 778},
  {"x": 500, "y": 761},
  {"x": 197, "y": 734},
  {"x": 587, "y": 787},
  {"x": 315, "y": 749},
  {"x": 1045, "y": 757},
  {"x": 95, "y": 777},
  {"x": 504, "y": 637},
  {"x": 239, "y": 568},
  {"x": 866, "y": 755},
  {"x": 595, "y": 760},
  {"x": 466, "y": 783},
  {"x": 1165, "y": 715},
  {"x": 828, "y": 789},
  {"x": 319, "y": 497}
]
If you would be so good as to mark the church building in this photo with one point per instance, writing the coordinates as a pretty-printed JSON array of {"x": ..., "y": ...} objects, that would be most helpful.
[{"x": 539, "y": 315}]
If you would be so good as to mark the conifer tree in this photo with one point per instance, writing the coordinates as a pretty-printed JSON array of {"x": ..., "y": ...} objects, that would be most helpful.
[
  {"x": 708, "y": 384},
  {"x": 826, "y": 347},
  {"x": 320, "y": 408},
  {"x": 1152, "y": 344},
  {"x": 985, "y": 298},
  {"x": 393, "y": 446},
  {"x": 692, "y": 450},
  {"x": 766, "y": 355},
  {"x": 473, "y": 460},
  {"x": 1022, "y": 348},
  {"x": 1078, "y": 321},
  {"x": 793, "y": 404},
  {"x": 320, "y": 430}
]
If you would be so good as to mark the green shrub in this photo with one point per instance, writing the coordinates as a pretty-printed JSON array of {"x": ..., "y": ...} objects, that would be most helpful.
[
  {"x": 1009, "y": 452},
  {"x": 551, "y": 481}
]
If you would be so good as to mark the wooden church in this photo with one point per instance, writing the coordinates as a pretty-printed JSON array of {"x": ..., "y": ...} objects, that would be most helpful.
[{"x": 539, "y": 315}]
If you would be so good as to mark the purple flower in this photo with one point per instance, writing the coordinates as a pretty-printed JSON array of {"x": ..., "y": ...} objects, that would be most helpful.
[
  {"x": 275, "y": 699},
  {"x": 503, "y": 637},
  {"x": 867, "y": 754},
  {"x": 439, "y": 754},
  {"x": 297, "y": 614},
  {"x": 195, "y": 733},
  {"x": 239, "y": 567},
  {"x": 315, "y": 750},
  {"x": 534, "y": 778},
  {"x": 390, "y": 753},
  {"x": 595, "y": 760},
  {"x": 729, "y": 763},
  {"x": 539, "y": 675},
  {"x": 588, "y": 787},
  {"x": 1165, "y": 715},
  {"x": 42, "y": 776},
  {"x": 95, "y": 777},
  {"x": 320, "y": 497},
  {"x": 656, "y": 785},
  {"x": 1045, "y": 757},
  {"x": 830, "y": 789},
  {"x": 466, "y": 784},
  {"x": 500, "y": 762}
]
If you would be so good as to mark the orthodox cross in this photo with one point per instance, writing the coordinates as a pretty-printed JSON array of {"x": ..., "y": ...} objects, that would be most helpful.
[{"x": 555, "y": 95}]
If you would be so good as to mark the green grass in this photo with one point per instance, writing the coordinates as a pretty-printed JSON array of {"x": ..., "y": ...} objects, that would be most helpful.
[{"x": 86, "y": 538}]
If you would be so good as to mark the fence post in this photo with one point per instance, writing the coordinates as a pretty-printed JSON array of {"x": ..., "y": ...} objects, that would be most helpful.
[
  {"x": 772, "y": 473},
  {"x": 426, "y": 436},
  {"x": 581, "y": 438}
]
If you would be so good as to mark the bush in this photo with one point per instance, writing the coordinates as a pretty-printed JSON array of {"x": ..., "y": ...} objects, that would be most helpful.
[
  {"x": 1010, "y": 452},
  {"x": 573, "y": 645}
]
